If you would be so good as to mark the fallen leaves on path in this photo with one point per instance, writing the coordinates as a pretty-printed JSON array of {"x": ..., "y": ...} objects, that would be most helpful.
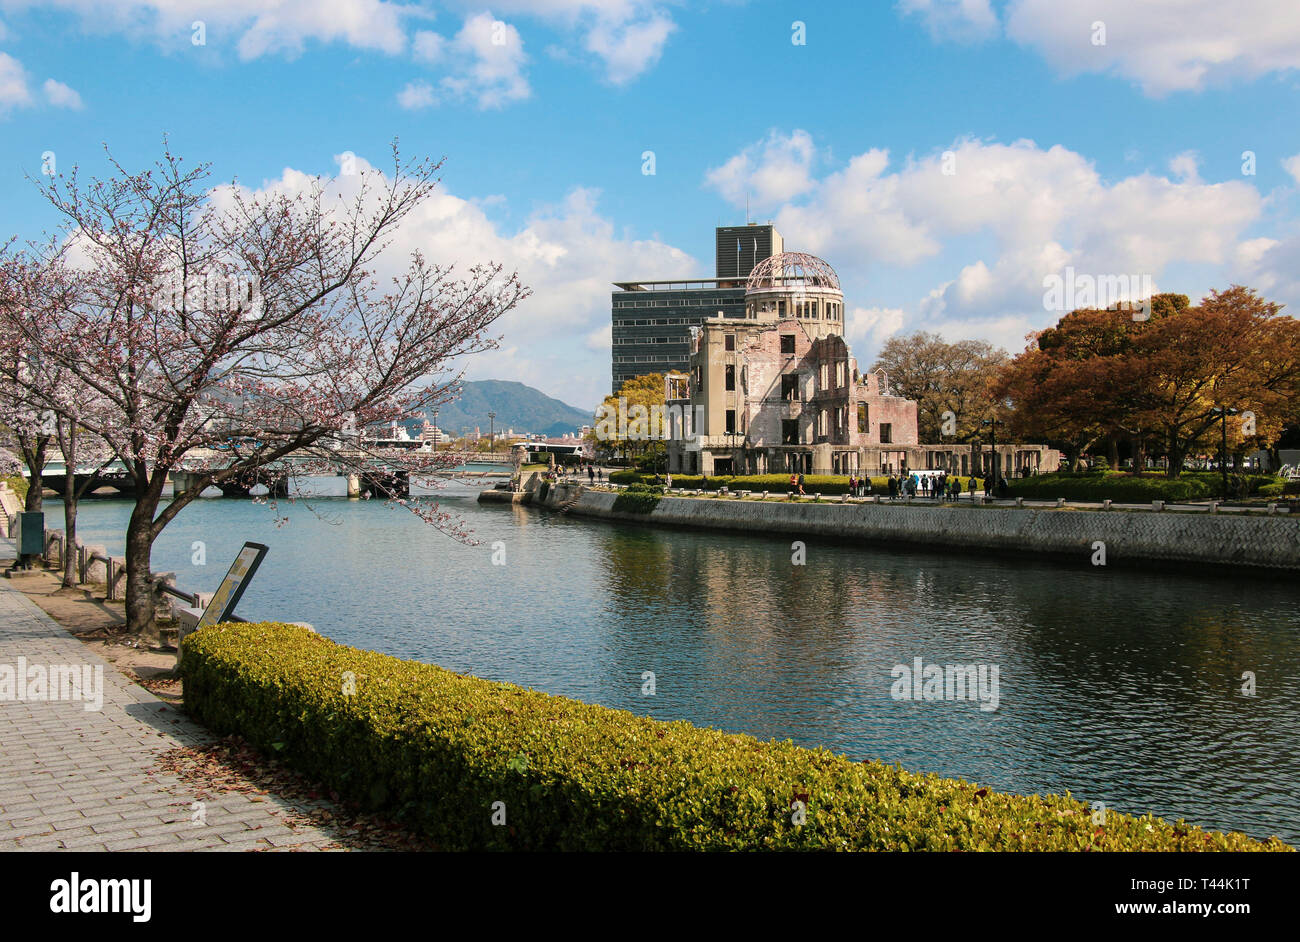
[{"x": 231, "y": 765}]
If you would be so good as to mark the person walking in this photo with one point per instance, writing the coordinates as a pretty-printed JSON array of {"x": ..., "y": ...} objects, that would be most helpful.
[
  {"x": 591, "y": 475},
  {"x": 801, "y": 493},
  {"x": 972, "y": 488},
  {"x": 853, "y": 482},
  {"x": 893, "y": 487}
]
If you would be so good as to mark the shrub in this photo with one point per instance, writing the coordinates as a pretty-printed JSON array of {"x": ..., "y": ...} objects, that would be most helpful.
[
  {"x": 826, "y": 484},
  {"x": 636, "y": 502},
  {"x": 1130, "y": 488},
  {"x": 439, "y": 750}
]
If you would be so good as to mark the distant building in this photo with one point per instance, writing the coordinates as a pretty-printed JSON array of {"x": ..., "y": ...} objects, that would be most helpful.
[
  {"x": 651, "y": 320},
  {"x": 778, "y": 391},
  {"x": 431, "y": 433}
]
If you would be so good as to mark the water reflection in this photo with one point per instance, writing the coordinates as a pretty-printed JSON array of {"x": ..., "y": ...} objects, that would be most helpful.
[{"x": 1117, "y": 686}]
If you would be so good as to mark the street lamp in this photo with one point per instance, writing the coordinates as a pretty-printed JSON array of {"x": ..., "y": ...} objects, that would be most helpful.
[
  {"x": 1223, "y": 412},
  {"x": 992, "y": 423},
  {"x": 492, "y": 441}
]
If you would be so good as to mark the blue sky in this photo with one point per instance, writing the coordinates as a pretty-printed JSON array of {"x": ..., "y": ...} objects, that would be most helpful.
[{"x": 943, "y": 155}]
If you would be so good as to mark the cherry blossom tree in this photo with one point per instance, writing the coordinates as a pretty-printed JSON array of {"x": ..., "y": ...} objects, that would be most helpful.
[
  {"x": 43, "y": 402},
  {"x": 231, "y": 336}
]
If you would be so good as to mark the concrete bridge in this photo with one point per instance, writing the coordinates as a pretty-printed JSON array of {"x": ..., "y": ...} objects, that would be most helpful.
[
  {"x": 55, "y": 477},
  {"x": 377, "y": 480}
]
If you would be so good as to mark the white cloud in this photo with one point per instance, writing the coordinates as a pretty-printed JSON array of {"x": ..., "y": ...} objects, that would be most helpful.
[
  {"x": 1272, "y": 267},
  {"x": 484, "y": 62},
  {"x": 1174, "y": 45},
  {"x": 568, "y": 253},
  {"x": 1186, "y": 166},
  {"x": 867, "y": 328},
  {"x": 1292, "y": 166},
  {"x": 428, "y": 46},
  {"x": 601, "y": 339},
  {"x": 61, "y": 96},
  {"x": 416, "y": 95},
  {"x": 769, "y": 172},
  {"x": 629, "y": 48},
  {"x": 263, "y": 26},
  {"x": 627, "y": 36},
  {"x": 1010, "y": 215},
  {"x": 14, "y": 92},
  {"x": 961, "y": 20}
]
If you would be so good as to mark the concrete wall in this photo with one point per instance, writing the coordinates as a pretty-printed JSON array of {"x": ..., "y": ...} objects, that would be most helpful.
[{"x": 1131, "y": 537}]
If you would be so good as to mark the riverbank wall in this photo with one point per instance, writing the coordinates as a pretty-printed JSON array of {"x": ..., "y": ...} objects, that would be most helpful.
[{"x": 1121, "y": 537}]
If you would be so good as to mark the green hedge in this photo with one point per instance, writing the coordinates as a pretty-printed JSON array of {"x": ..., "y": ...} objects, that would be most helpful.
[
  {"x": 825, "y": 484},
  {"x": 1131, "y": 488},
  {"x": 438, "y": 749},
  {"x": 636, "y": 502},
  {"x": 1280, "y": 489}
]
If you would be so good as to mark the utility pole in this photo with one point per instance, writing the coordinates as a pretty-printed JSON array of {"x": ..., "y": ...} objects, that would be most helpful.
[{"x": 492, "y": 441}]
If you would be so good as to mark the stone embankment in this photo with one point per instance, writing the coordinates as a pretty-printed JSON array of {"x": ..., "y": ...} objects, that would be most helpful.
[{"x": 1130, "y": 537}]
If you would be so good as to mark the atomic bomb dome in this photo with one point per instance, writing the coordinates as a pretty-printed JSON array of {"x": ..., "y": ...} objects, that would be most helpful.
[{"x": 792, "y": 272}]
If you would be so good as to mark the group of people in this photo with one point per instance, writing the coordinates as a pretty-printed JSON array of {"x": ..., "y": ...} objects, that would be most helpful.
[
  {"x": 933, "y": 486},
  {"x": 929, "y": 486}
]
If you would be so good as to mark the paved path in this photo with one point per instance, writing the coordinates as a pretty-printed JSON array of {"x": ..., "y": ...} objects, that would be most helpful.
[{"x": 78, "y": 780}]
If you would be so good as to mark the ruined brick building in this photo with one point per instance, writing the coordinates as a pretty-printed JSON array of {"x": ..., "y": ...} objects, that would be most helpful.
[{"x": 778, "y": 391}]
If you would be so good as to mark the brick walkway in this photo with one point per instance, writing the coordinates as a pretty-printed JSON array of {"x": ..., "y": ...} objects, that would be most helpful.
[{"x": 81, "y": 780}]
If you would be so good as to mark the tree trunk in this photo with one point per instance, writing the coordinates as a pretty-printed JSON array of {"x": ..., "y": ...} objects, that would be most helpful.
[
  {"x": 34, "y": 458},
  {"x": 1139, "y": 454},
  {"x": 1175, "y": 461},
  {"x": 1112, "y": 451},
  {"x": 35, "y": 500},
  {"x": 70, "y": 530},
  {"x": 139, "y": 580}
]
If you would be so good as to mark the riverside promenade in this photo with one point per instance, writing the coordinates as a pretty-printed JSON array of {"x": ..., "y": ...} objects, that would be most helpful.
[{"x": 78, "y": 779}]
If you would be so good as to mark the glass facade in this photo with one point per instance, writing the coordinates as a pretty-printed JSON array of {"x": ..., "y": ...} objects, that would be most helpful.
[{"x": 652, "y": 327}]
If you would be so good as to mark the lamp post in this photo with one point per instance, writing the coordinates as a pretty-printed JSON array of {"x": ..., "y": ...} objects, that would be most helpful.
[
  {"x": 994, "y": 464},
  {"x": 1223, "y": 412},
  {"x": 492, "y": 441}
]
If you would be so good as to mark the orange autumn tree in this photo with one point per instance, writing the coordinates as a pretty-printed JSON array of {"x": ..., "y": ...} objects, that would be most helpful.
[
  {"x": 1102, "y": 375},
  {"x": 1236, "y": 351}
]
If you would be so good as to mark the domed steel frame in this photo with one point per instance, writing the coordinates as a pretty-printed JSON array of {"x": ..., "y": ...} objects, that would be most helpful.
[{"x": 792, "y": 271}]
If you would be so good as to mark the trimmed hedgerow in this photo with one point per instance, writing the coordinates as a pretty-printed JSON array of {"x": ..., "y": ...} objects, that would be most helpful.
[
  {"x": 636, "y": 501},
  {"x": 1131, "y": 488},
  {"x": 1279, "y": 489},
  {"x": 441, "y": 750},
  {"x": 825, "y": 484}
]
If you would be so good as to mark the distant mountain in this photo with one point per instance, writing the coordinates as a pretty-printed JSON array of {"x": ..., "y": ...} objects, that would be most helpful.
[{"x": 517, "y": 406}]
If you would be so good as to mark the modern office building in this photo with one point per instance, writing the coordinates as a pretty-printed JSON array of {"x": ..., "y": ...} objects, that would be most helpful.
[{"x": 652, "y": 320}]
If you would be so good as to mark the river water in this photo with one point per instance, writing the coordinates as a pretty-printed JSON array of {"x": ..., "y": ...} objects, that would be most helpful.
[{"x": 1117, "y": 686}]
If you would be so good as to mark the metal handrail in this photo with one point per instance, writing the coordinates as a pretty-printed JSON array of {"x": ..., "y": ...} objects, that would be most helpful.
[{"x": 191, "y": 597}]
